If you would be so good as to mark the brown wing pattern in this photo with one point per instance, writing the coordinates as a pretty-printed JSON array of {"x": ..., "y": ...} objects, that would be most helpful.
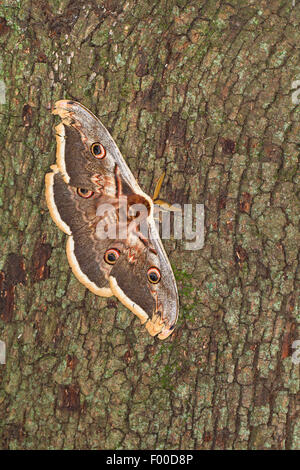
[{"x": 91, "y": 172}]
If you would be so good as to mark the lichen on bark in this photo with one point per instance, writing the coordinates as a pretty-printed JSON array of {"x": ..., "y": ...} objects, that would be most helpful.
[{"x": 203, "y": 91}]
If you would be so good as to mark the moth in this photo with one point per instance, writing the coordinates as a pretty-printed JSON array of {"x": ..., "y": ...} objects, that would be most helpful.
[{"x": 91, "y": 195}]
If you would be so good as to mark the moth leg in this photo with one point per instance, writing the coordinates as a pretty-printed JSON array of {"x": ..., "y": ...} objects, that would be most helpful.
[{"x": 159, "y": 202}]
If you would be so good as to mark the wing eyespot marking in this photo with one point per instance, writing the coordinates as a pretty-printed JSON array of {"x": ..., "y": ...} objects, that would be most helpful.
[
  {"x": 85, "y": 193},
  {"x": 98, "y": 151},
  {"x": 153, "y": 275},
  {"x": 111, "y": 256}
]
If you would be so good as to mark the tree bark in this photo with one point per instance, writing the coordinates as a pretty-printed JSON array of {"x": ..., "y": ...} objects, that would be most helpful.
[{"x": 202, "y": 90}]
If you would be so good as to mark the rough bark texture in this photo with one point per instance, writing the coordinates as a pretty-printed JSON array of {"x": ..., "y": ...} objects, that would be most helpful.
[{"x": 201, "y": 89}]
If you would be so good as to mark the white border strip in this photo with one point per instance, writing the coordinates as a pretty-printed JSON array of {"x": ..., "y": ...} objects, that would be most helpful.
[
  {"x": 136, "y": 309},
  {"x": 49, "y": 180},
  {"x": 102, "y": 291}
]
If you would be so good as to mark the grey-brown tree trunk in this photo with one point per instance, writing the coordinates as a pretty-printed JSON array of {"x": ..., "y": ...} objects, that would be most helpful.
[{"x": 202, "y": 90}]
